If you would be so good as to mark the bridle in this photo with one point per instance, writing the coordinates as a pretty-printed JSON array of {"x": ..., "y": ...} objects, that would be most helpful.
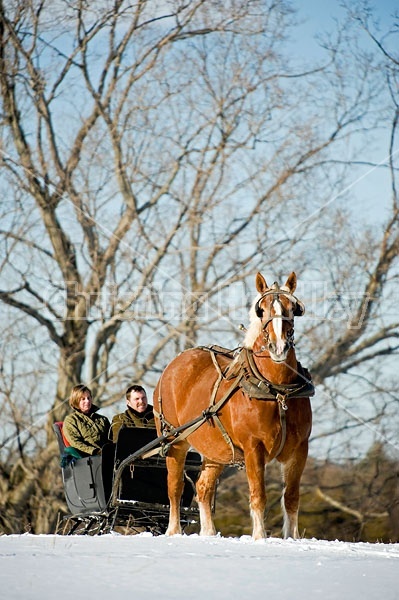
[{"x": 298, "y": 310}]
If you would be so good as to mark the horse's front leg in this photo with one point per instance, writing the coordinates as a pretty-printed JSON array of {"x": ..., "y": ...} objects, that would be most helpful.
[
  {"x": 255, "y": 467},
  {"x": 205, "y": 488},
  {"x": 175, "y": 462},
  {"x": 292, "y": 472}
]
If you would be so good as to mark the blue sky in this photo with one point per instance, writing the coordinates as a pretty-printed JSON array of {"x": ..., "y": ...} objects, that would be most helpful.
[
  {"x": 370, "y": 190},
  {"x": 321, "y": 13}
]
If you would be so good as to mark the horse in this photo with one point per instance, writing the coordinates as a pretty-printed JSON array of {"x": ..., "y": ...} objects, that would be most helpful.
[{"x": 255, "y": 407}]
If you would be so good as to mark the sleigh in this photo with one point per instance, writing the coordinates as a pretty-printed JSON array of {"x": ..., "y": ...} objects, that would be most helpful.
[{"x": 124, "y": 489}]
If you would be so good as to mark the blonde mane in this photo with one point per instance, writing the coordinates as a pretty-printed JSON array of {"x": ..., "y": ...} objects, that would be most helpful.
[{"x": 255, "y": 326}]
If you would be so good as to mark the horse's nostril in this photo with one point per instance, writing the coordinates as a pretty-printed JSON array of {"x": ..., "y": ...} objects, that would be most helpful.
[{"x": 277, "y": 348}]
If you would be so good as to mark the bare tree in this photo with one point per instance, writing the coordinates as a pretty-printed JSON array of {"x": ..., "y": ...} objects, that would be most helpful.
[{"x": 155, "y": 156}]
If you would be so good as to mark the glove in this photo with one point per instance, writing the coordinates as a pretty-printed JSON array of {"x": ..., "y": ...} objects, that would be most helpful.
[{"x": 69, "y": 457}]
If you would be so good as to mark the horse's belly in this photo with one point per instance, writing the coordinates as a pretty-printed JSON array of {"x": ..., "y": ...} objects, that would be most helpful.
[{"x": 209, "y": 441}]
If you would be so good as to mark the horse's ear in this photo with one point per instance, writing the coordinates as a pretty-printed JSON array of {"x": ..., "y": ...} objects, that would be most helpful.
[
  {"x": 299, "y": 309},
  {"x": 291, "y": 282},
  {"x": 261, "y": 284}
]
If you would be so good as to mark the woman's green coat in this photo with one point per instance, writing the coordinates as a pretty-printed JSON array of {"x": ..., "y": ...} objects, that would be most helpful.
[{"x": 87, "y": 433}]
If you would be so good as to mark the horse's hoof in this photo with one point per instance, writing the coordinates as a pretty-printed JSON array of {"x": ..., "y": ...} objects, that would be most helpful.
[
  {"x": 208, "y": 533},
  {"x": 171, "y": 532}
]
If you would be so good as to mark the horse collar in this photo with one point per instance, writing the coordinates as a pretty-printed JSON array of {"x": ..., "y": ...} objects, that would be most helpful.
[{"x": 255, "y": 385}]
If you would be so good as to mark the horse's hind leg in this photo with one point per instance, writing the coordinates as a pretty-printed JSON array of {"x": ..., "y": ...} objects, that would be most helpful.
[
  {"x": 175, "y": 461},
  {"x": 292, "y": 472},
  {"x": 205, "y": 487}
]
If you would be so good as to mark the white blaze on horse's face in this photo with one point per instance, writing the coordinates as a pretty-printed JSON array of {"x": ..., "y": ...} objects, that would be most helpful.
[{"x": 278, "y": 327}]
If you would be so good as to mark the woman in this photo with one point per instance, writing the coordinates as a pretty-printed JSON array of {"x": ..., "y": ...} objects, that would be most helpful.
[{"x": 84, "y": 428}]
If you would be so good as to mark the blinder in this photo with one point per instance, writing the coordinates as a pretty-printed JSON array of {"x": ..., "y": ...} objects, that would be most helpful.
[
  {"x": 299, "y": 309},
  {"x": 258, "y": 309}
]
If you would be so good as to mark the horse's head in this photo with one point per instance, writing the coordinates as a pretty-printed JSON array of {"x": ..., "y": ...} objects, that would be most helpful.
[{"x": 272, "y": 317}]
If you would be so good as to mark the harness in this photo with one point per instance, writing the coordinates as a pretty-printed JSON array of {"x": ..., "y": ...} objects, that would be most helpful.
[{"x": 244, "y": 375}]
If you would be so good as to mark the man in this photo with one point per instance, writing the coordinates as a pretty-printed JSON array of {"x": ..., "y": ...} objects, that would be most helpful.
[{"x": 138, "y": 413}]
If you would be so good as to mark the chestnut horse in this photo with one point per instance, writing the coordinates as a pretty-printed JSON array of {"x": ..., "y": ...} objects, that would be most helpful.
[{"x": 255, "y": 406}]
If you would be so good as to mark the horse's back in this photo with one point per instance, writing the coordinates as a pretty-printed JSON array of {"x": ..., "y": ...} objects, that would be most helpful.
[{"x": 183, "y": 390}]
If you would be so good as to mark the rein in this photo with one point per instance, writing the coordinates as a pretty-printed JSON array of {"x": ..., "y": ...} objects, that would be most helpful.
[
  {"x": 170, "y": 435},
  {"x": 252, "y": 383},
  {"x": 247, "y": 378}
]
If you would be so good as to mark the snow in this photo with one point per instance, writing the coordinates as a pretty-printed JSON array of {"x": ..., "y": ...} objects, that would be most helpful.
[{"x": 113, "y": 566}]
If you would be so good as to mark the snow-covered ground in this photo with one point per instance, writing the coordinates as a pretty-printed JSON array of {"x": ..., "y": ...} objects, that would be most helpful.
[{"x": 112, "y": 567}]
